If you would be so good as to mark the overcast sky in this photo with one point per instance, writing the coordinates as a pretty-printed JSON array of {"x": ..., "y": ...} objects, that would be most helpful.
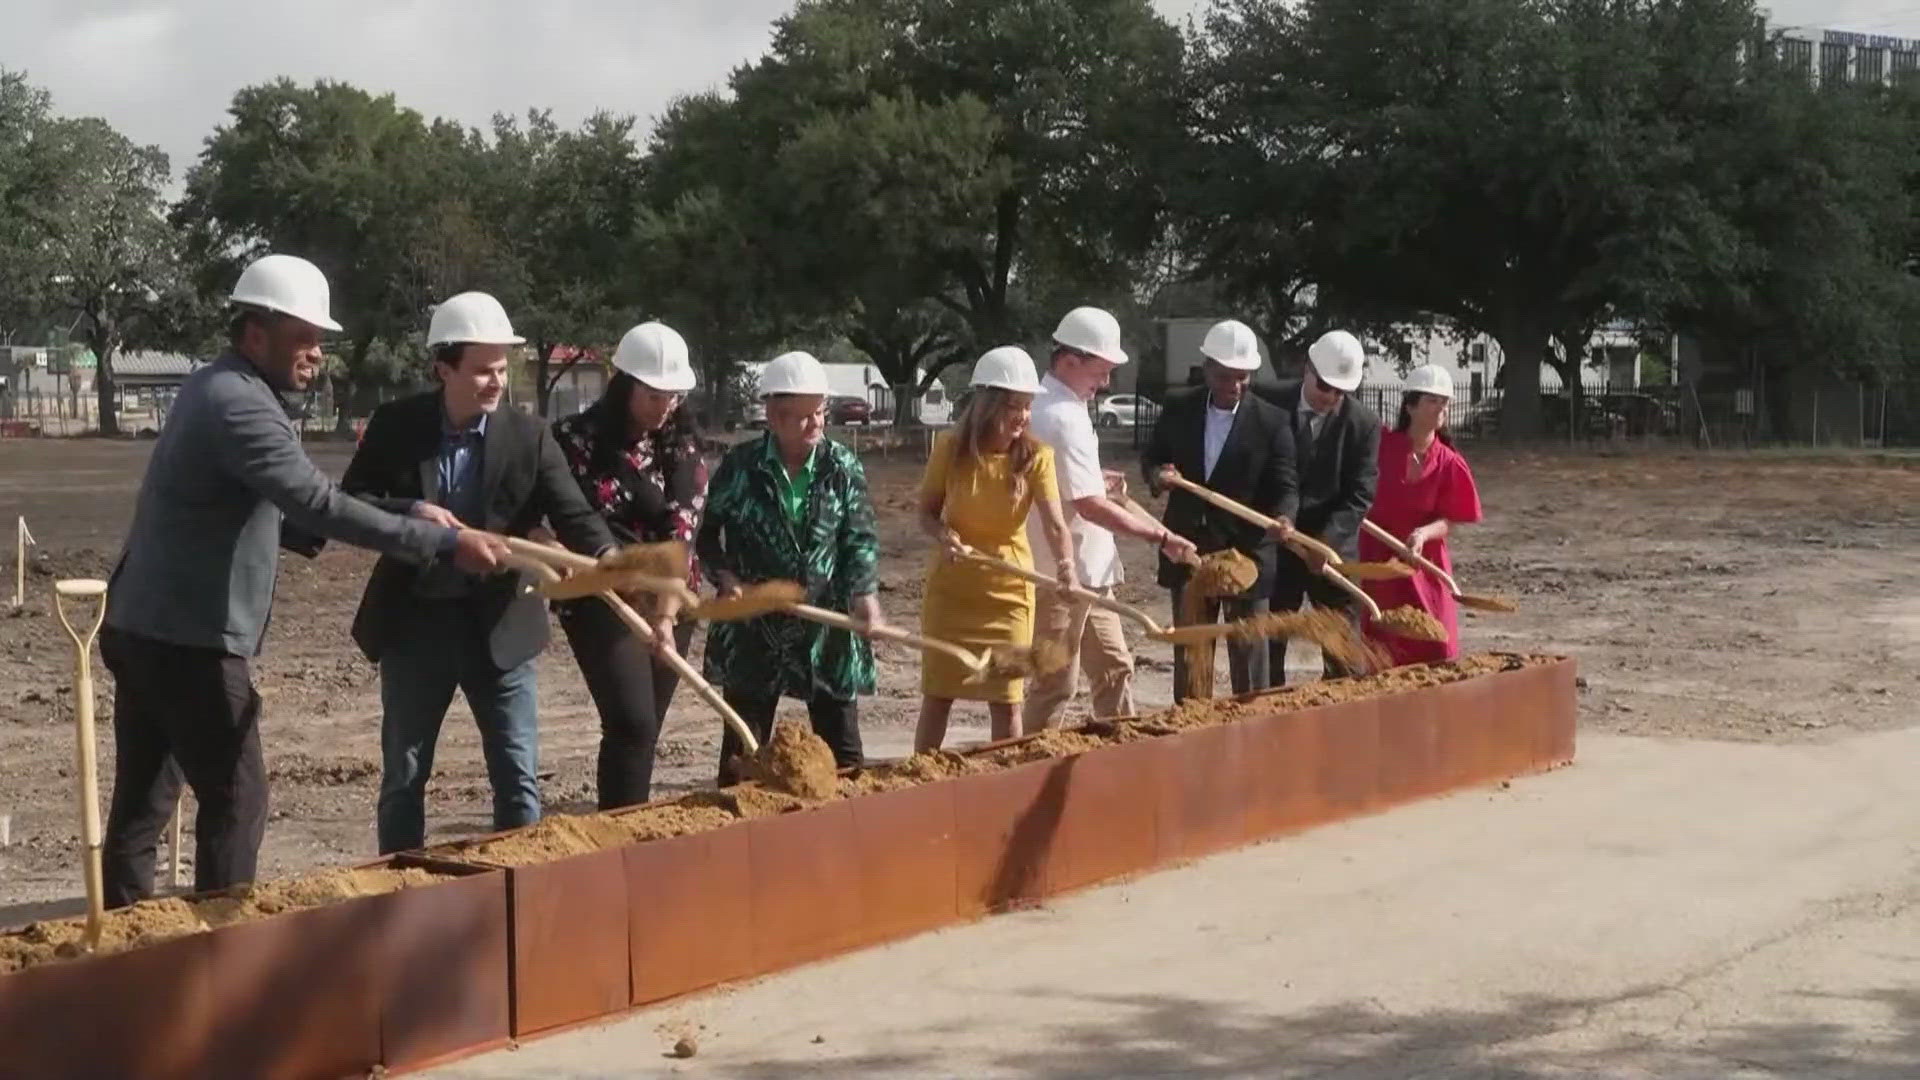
[{"x": 162, "y": 71}]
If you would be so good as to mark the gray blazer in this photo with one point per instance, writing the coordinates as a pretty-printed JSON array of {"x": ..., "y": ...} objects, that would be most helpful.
[{"x": 200, "y": 560}]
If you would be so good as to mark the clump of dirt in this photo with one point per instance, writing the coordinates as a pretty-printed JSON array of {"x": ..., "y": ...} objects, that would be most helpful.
[
  {"x": 1411, "y": 622},
  {"x": 553, "y": 837},
  {"x": 796, "y": 760},
  {"x": 1197, "y": 656},
  {"x": 667, "y": 559},
  {"x": 753, "y": 601},
  {"x": 1224, "y": 573},
  {"x": 1053, "y": 742},
  {"x": 747, "y": 801},
  {"x": 922, "y": 768},
  {"x": 258, "y": 901},
  {"x": 675, "y": 819},
  {"x": 1391, "y": 570},
  {"x": 149, "y": 922}
]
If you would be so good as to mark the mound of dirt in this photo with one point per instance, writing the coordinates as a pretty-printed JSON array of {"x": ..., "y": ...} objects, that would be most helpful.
[
  {"x": 151, "y": 922},
  {"x": 316, "y": 890},
  {"x": 143, "y": 924},
  {"x": 796, "y": 760}
]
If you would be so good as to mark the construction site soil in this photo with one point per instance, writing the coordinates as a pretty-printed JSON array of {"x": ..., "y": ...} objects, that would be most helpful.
[{"x": 1746, "y": 596}]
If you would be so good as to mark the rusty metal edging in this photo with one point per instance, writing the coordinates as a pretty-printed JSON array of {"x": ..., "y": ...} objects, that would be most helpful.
[
  {"x": 320, "y": 992},
  {"x": 416, "y": 977}
]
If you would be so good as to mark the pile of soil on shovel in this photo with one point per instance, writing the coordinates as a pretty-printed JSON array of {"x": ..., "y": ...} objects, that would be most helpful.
[
  {"x": 151, "y": 922},
  {"x": 1224, "y": 573},
  {"x": 1411, "y": 622}
]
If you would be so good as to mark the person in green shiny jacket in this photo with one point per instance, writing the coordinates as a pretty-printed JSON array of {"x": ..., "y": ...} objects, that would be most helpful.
[{"x": 792, "y": 505}]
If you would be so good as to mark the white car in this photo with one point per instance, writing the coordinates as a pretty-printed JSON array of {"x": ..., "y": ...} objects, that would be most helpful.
[{"x": 1125, "y": 410}]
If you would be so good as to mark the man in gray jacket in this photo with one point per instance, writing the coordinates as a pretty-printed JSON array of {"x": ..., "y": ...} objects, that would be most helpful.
[{"x": 193, "y": 591}]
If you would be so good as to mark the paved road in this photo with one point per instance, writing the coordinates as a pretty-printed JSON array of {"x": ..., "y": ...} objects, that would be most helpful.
[{"x": 1662, "y": 909}]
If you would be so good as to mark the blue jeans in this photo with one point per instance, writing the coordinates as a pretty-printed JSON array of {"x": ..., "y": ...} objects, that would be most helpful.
[{"x": 439, "y": 649}]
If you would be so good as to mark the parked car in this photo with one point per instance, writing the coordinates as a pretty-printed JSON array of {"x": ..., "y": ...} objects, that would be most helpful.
[
  {"x": 1125, "y": 410},
  {"x": 842, "y": 409}
]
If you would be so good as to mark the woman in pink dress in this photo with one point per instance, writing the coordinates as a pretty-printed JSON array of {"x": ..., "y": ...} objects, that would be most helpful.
[{"x": 1425, "y": 489}]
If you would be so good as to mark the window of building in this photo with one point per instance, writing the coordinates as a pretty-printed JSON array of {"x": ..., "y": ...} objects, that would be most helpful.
[
  {"x": 1906, "y": 67},
  {"x": 1870, "y": 65},
  {"x": 1798, "y": 55},
  {"x": 1833, "y": 63}
]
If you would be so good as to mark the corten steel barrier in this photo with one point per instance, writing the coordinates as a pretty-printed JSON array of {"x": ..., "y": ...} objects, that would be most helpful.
[
  {"x": 426, "y": 974},
  {"x": 627, "y": 926},
  {"x": 403, "y": 979}
]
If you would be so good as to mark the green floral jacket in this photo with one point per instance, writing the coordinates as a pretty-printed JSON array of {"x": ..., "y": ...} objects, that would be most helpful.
[{"x": 834, "y": 553}]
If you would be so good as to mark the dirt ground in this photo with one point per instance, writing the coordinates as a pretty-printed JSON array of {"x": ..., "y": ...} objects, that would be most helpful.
[{"x": 1749, "y": 597}]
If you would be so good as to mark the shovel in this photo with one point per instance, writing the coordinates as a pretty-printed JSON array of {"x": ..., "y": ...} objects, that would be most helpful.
[
  {"x": 86, "y": 589},
  {"x": 1356, "y": 571},
  {"x": 977, "y": 664},
  {"x": 1153, "y": 629},
  {"x": 540, "y": 560},
  {"x": 1405, "y": 622},
  {"x": 1393, "y": 543}
]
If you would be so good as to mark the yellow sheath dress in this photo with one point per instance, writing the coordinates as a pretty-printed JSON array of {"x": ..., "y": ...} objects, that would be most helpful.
[{"x": 967, "y": 603}]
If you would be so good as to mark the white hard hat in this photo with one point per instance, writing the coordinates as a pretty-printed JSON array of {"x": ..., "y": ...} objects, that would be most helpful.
[
  {"x": 1338, "y": 359},
  {"x": 1231, "y": 344},
  {"x": 793, "y": 373},
  {"x": 1007, "y": 367},
  {"x": 1430, "y": 379},
  {"x": 471, "y": 317},
  {"x": 1092, "y": 331},
  {"x": 289, "y": 285},
  {"x": 656, "y": 354}
]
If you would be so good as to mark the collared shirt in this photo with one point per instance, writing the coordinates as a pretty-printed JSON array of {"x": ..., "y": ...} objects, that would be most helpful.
[
  {"x": 794, "y": 495},
  {"x": 1219, "y": 423},
  {"x": 461, "y": 451},
  {"x": 1060, "y": 420},
  {"x": 459, "y": 468}
]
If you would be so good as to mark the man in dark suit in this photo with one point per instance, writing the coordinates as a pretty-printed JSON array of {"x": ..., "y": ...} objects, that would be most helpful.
[
  {"x": 1337, "y": 447},
  {"x": 453, "y": 455},
  {"x": 1222, "y": 436}
]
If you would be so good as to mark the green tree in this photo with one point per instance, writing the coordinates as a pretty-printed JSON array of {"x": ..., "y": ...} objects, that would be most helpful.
[
  {"x": 347, "y": 179},
  {"x": 566, "y": 204},
  {"x": 1819, "y": 187},
  {"x": 887, "y": 157},
  {"x": 1524, "y": 168},
  {"x": 113, "y": 260}
]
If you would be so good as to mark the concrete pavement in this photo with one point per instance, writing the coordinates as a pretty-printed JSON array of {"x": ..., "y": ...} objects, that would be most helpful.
[{"x": 1668, "y": 909}]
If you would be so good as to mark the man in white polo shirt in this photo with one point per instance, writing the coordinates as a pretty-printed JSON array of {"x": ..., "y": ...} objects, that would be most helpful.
[{"x": 1086, "y": 350}]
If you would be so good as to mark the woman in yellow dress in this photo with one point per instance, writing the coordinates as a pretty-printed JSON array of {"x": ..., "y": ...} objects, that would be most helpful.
[{"x": 984, "y": 477}]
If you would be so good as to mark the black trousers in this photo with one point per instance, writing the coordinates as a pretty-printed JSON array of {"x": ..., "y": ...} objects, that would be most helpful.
[
  {"x": 836, "y": 721},
  {"x": 1293, "y": 586},
  {"x": 182, "y": 711},
  {"x": 631, "y": 690}
]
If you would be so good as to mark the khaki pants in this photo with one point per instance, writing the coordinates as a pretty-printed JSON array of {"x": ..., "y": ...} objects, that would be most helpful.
[{"x": 1096, "y": 643}]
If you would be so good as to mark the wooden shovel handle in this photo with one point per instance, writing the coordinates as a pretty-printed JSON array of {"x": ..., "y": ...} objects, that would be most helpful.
[
  {"x": 1247, "y": 513},
  {"x": 539, "y": 560},
  {"x": 1395, "y": 545},
  {"x": 1333, "y": 574},
  {"x": 890, "y": 633},
  {"x": 1077, "y": 593}
]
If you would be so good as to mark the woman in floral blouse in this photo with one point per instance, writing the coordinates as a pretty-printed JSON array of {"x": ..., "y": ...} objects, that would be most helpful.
[{"x": 636, "y": 455}]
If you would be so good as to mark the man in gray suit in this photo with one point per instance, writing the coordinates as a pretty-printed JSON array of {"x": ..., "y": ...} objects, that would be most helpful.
[{"x": 193, "y": 590}]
